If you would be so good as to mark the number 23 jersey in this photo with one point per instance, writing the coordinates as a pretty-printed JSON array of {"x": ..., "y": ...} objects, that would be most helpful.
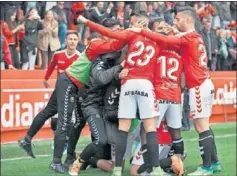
[{"x": 141, "y": 58}]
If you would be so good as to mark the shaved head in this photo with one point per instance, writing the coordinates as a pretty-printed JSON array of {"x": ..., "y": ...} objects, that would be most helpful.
[
  {"x": 185, "y": 19},
  {"x": 188, "y": 14},
  {"x": 141, "y": 21}
]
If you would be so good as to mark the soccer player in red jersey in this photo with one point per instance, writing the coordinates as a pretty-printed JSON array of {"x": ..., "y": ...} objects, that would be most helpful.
[
  {"x": 201, "y": 89},
  {"x": 137, "y": 90}
]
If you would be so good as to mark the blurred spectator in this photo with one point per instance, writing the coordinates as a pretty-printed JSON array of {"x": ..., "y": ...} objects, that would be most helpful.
[
  {"x": 222, "y": 55},
  {"x": 10, "y": 30},
  {"x": 168, "y": 13},
  {"x": 206, "y": 10},
  {"x": 119, "y": 12},
  {"x": 9, "y": 6},
  {"x": 210, "y": 40},
  {"x": 216, "y": 21},
  {"x": 233, "y": 10},
  {"x": 140, "y": 7},
  {"x": 231, "y": 44},
  {"x": 225, "y": 15},
  {"x": 29, "y": 43},
  {"x": 48, "y": 38},
  {"x": 5, "y": 53},
  {"x": 68, "y": 11},
  {"x": 62, "y": 22},
  {"x": 99, "y": 13},
  {"x": 152, "y": 14}
]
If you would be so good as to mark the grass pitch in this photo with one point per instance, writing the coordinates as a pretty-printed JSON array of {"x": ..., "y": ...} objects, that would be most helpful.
[{"x": 14, "y": 162}]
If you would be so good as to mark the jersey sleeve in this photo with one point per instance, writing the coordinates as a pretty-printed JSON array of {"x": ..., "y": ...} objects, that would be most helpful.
[
  {"x": 170, "y": 42},
  {"x": 102, "y": 47},
  {"x": 51, "y": 68},
  {"x": 119, "y": 35}
]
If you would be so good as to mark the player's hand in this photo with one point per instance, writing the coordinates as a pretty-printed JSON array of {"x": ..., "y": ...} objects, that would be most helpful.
[
  {"x": 123, "y": 73},
  {"x": 11, "y": 67},
  {"x": 46, "y": 84},
  {"x": 135, "y": 29},
  {"x": 81, "y": 19}
]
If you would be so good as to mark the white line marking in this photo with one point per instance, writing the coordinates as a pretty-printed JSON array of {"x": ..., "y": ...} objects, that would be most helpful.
[
  {"x": 20, "y": 158},
  {"x": 216, "y": 137},
  {"x": 25, "y": 80},
  {"x": 42, "y": 156},
  {"x": 27, "y": 90}
]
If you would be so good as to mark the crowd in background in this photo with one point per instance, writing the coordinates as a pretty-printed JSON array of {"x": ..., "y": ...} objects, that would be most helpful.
[{"x": 35, "y": 30}]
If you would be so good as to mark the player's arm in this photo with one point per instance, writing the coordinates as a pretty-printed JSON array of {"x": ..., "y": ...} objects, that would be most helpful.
[
  {"x": 103, "y": 47},
  {"x": 170, "y": 42},
  {"x": 119, "y": 35},
  {"x": 50, "y": 70},
  {"x": 102, "y": 75}
]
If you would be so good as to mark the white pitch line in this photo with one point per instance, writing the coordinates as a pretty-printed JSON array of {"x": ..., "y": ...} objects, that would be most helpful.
[
  {"x": 42, "y": 156},
  {"x": 20, "y": 158},
  {"x": 27, "y": 90}
]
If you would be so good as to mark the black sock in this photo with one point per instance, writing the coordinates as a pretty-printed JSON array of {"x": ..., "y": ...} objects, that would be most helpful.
[
  {"x": 89, "y": 151},
  {"x": 59, "y": 143},
  {"x": 145, "y": 156},
  {"x": 152, "y": 148},
  {"x": 214, "y": 157},
  {"x": 73, "y": 139},
  {"x": 178, "y": 146},
  {"x": 121, "y": 144},
  {"x": 206, "y": 146},
  {"x": 93, "y": 161},
  {"x": 165, "y": 163}
]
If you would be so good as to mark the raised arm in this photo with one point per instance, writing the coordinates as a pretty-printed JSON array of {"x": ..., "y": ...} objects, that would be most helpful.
[
  {"x": 170, "y": 42},
  {"x": 119, "y": 35}
]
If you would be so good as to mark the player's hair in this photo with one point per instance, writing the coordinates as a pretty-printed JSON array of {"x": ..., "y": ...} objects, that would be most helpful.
[
  {"x": 110, "y": 22},
  {"x": 142, "y": 17},
  {"x": 188, "y": 10},
  {"x": 69, "y": 32}
]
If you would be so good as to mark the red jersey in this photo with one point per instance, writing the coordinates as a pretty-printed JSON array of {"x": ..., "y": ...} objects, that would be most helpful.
[
  {"x": 100, "y": 46},
  {"x": 192, "y": 50},
  {"x": 167, "y": 83},
  {"x": 141, "y": 55},
  {"x": 163, "y": 135},
  {"x": 62, "y": 61}
]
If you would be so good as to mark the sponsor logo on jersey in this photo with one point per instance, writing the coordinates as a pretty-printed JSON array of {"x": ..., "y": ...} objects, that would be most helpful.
[{"x": 136, "y": 92}]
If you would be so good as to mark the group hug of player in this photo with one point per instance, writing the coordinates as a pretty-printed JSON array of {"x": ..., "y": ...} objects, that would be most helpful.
[{"x": 127, "y": 86}]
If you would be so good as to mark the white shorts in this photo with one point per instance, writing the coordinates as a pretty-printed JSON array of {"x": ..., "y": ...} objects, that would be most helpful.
[
  {"x": 132, "y": 137},
  {"x": 163, "y": 153},
  {"x": 201, "y": 99},
  {"x": 171, "y": 112},
  {"x": 137, "y": 93}
]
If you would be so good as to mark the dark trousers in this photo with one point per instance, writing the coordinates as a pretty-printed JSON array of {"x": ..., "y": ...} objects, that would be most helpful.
[
  {"x": 66, "y": 93},
  {"x": 15, "y": 56},
  {"x": 49, "y": 111}
]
